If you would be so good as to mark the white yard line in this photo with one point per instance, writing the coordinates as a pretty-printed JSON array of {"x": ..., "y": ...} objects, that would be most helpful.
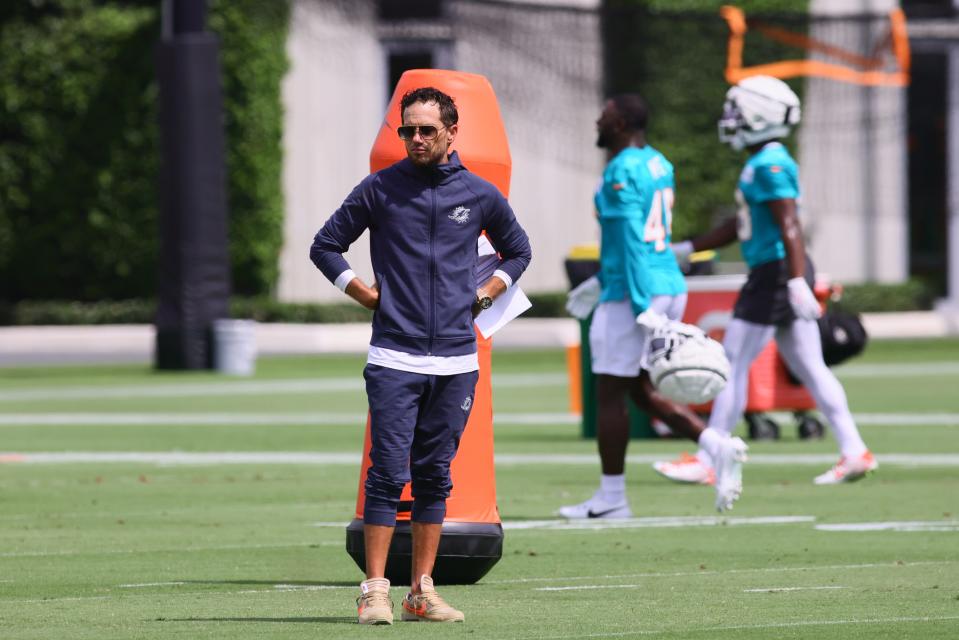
[
  {"x": 355, "y": 383},
  {"x": 787, "y": 589},
  {"x": 170, "y": 458},
  {"x": 98, "y": 552},
  {"x": 651, "y": 523},
  {"x": 282, "y": 588},
  {"x": 247, "y": 387},
  {"x": 242, "y": 418},
  {"x": 744, "y": 627},
  {"x": 631, "y": 523},
  {"x": 73, "y": 418},
  {"x": 897, "y": 370},
  {"x": 763, "y": 570},
  {"x": 910, "y": 526}
]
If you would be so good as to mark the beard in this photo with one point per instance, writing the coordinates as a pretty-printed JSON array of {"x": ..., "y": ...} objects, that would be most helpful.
[{"x": 602, "y": 140}]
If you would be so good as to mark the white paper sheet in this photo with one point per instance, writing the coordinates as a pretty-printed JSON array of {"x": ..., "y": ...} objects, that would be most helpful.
[{"x": 505, "y": 308}]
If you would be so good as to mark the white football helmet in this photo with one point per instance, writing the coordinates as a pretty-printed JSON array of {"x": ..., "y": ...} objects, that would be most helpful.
[
  {"x": 685, "y": 364},
  {"x": 758, "y": 109}
]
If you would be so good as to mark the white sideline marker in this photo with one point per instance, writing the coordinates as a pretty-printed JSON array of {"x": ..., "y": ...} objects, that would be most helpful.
[
  {"x": 600, "y": 524},
  {"x": 908, "y": 527},
  {"x": 782, "y": 589},
  {"x": 353, "y": 458},
  {"x": 743, "y": 627}
]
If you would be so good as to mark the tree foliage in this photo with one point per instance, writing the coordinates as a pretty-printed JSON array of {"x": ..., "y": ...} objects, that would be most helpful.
[
  {"x": 79, "y": 145},
  {"x": 674, "y": 54}
]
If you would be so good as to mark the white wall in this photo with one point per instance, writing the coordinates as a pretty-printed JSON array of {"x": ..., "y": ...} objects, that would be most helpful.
[
  {"x": 549, "y": 93},
  {"x": 333, "y": 97},
  {"x": 546, "y": 70},
  {"x": 853, "y": 163}
]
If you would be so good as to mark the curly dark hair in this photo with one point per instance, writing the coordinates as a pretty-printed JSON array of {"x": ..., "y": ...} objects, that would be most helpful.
[
  {"x": 632, "y": 109},
  {"x": 448, "y": 114}
]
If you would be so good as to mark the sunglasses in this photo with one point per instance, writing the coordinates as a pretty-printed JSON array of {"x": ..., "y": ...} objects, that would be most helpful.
[{"x": 426, "y": 131}]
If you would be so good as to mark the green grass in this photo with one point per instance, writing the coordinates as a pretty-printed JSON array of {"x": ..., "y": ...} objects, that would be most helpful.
[{"x": 122, "y": 550}]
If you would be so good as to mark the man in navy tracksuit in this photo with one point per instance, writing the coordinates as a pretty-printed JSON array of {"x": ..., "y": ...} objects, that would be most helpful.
[{"x": 425, "y": 214}]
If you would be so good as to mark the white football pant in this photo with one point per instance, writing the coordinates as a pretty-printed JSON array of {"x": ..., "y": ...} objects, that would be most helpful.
[{"x": 801, "y": 347}]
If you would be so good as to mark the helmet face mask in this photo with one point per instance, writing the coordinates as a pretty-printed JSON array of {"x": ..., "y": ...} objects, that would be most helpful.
[
  {"x": 758, "y": 109},
  {"x": 731, "y": 125}
]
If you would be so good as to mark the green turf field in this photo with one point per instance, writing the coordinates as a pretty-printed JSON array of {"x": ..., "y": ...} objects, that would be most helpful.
[{"x": 155, "y": 548}]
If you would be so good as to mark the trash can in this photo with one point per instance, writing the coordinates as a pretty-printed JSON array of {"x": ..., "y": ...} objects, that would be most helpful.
[
  {"x": 234, "y": 346},
  {"x": 583, "y": 263}
]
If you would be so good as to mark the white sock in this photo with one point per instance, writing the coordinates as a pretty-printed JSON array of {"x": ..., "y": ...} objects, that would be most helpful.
[
  {"x": 613, "y": 488},
  {"x": 709, "y": 442},
  {"x": 801, "y": 347}
]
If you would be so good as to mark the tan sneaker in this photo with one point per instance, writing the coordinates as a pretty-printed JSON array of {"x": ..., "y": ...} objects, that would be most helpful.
[
  {"x": 428, "y": 606},
  {"x": 374, "y": 605}
]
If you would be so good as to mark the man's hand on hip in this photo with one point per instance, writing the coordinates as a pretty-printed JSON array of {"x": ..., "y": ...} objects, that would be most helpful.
[{"x": 369, "y": 297}]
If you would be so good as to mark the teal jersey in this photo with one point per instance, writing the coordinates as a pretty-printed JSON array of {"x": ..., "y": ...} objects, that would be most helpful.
[
  {"x": 634, "y": 205},
  {"x": 770, "y": 174}
]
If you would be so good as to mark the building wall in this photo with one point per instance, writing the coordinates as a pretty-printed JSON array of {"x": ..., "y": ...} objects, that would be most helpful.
[
  {"x": 546, "y": 69},
  {"x": 333, "y": 97},
  {"x": 545, "y": 65},
  {"x": 853, "y": 161}
]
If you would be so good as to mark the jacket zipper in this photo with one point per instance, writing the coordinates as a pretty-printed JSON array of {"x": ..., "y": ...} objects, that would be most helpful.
[{"x": 432, "y": 309}]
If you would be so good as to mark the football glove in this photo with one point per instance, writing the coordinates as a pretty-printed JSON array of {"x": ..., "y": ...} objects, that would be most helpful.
[
  {"x": 802, "y": 300},
  {"x": 651, "y": 320},
  {"x": 682, "y": 250},
  {"x": 581, "y": 301}
]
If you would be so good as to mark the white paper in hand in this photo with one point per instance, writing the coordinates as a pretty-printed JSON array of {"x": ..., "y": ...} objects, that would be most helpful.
[{"x": 507, "y": 306}]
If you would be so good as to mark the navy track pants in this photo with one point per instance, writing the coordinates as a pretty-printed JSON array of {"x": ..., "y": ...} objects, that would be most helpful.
[{"x": 416, "y": 421}]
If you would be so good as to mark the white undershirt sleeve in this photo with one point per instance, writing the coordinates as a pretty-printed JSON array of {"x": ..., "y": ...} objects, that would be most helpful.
[
  {"x": 502, "y": 275},
  {"x": 344, "y": 279}
]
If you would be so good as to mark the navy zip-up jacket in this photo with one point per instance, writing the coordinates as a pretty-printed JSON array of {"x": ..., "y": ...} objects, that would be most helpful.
[{"x": 424, "y": 224}]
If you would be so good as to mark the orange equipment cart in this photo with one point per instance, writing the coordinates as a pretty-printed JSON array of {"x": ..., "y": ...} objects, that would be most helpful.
[{"x": 771, "y": 386}]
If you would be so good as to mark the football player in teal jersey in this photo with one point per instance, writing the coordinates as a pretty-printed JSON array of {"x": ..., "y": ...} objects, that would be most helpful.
[
  {"x": 638, "y": 288},
  {"x": 777, "y": 301}
]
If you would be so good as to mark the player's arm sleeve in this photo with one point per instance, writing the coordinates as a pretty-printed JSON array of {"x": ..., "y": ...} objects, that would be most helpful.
[
  {"x": 775, "y": 182},
  {"x": 508, "y": 237},
  {"x": 341, "y": 230}
]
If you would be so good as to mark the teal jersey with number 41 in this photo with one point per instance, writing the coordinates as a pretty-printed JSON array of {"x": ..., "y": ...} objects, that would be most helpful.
[
  {"x": 770, "y": 174},
  {"x": 634, "y": 204}
]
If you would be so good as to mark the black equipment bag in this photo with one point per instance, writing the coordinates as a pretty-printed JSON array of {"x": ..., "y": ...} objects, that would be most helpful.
[{"x": 843, "y": 335}]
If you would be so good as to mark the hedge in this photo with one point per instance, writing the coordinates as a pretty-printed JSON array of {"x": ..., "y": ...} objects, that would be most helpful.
[{"x": 79, "y": 161}]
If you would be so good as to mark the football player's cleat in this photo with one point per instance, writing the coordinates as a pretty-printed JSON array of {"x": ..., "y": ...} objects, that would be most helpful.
[
  {"x": 596, "y": 507},
  {"x": 685, "y": 364},
  {"x": 729, "y": 472},
  {"x": 687, "y": 469},
  {"x": 849, "y": 470},
  {"x": 758, "y": 109}
]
